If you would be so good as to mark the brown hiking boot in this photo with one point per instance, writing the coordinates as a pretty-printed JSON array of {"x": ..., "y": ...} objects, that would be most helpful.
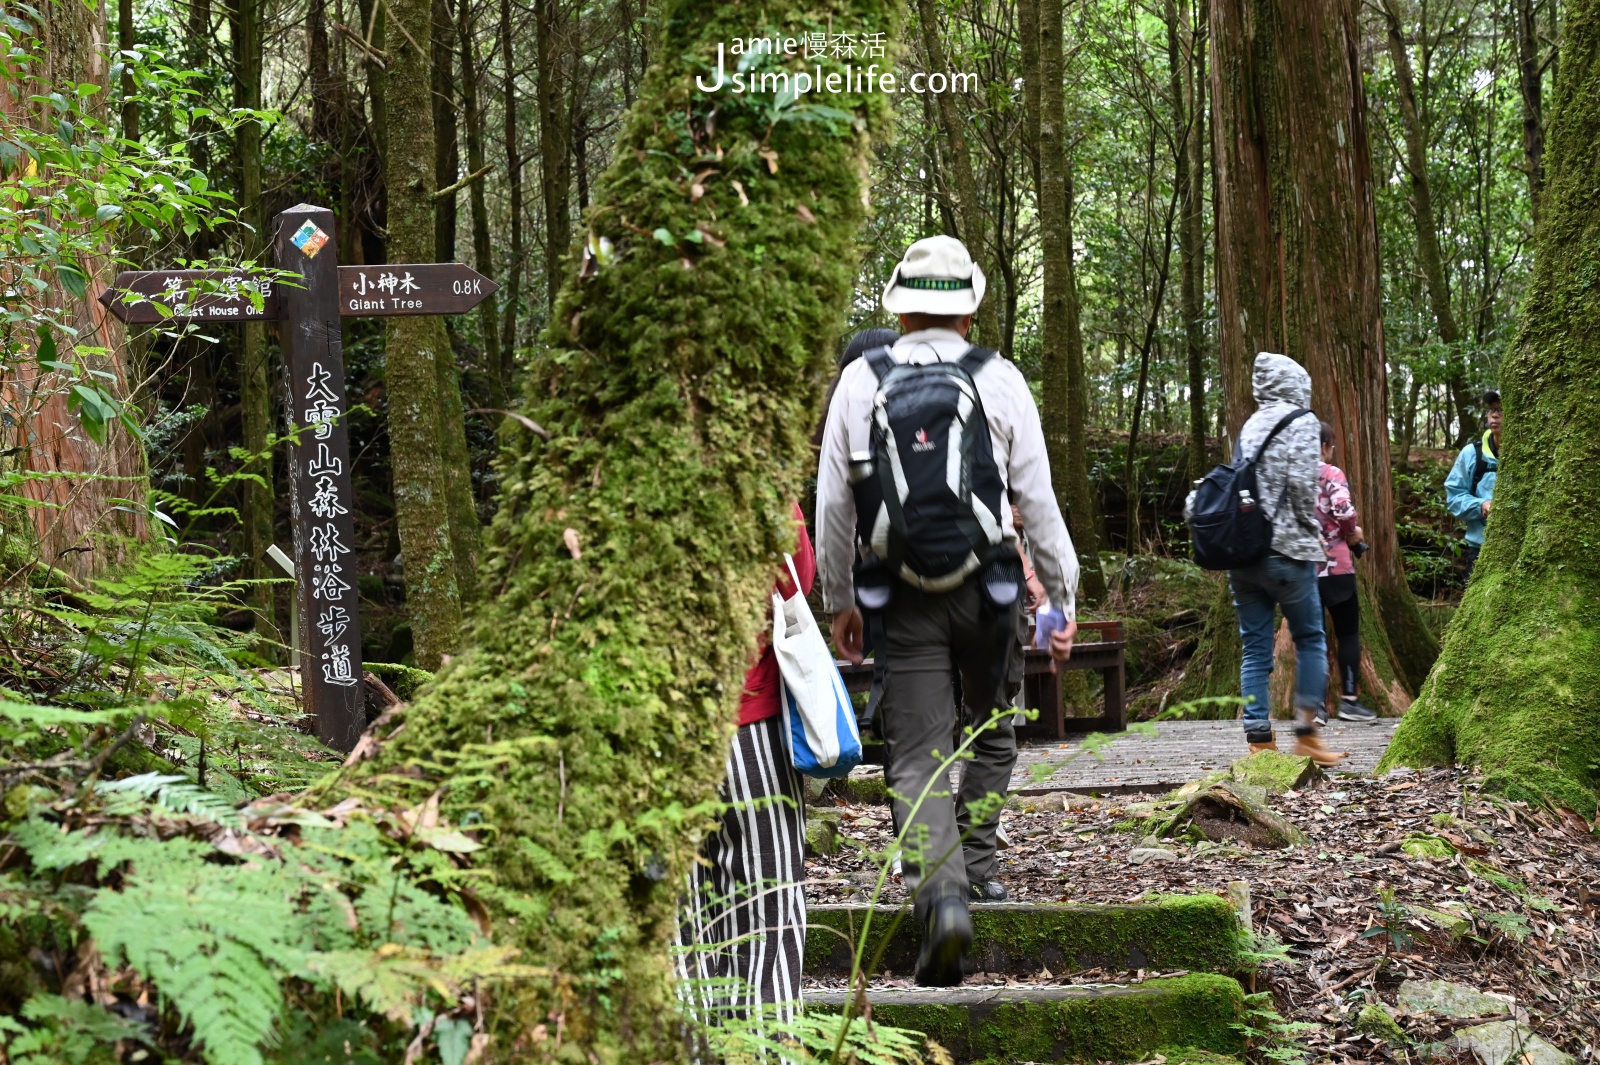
[
  {"x": 1310, "y": 746},
  {"x": 1269, "y": 745}
]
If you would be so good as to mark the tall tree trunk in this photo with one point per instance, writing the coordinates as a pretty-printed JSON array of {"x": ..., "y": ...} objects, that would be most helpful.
[
  {"x": 1297, "y": 261},
  {"x": 1191, "y": 227},
  {"x": 1065, "y": 406},
  {"x": 606, "y": 661},
  {"x": 83, "y": 527},
  {"x": 555, "y": 151},
  {"x": 446, "y": 146},
  {"x": 1514, "y": 691},
  {"x": 513, "y": 288},
  {"x": 964, "y": 182},
  {"x": 130, "y": 98},
  {"x": 1408, "y": 423},
  {"x": 417, "y": 351},
  {"x": 482, "y": 250},
  {"x": 375, "y": 19},
  {"x": 1530, "y": 79},
  {"x": 319, "y": 67},
  {"x": 1428, "y": 254},
  {"x": 255, "y": 393},
  {"x": 1028, "y": 48}
]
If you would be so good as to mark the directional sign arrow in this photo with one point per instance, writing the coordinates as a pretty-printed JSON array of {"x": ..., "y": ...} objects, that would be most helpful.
[
  {"x": 411, "y": 288},
  {"x": 364, "y": 292},
  {"x": 190, "y": 296}
]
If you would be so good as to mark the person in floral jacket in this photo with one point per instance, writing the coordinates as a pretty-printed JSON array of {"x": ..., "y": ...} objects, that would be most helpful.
[{"x": 1336, "y": 581}]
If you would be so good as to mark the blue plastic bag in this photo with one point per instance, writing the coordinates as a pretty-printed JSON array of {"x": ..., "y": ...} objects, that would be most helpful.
[{"x": 818, "y": 717}]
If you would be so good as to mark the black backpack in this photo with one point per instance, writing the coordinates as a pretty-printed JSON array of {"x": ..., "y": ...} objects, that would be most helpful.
[
  {"x": 1479, "y": 466},
  {"x": 1229, "y": 526},
  {"x": 928, "y": 495}
]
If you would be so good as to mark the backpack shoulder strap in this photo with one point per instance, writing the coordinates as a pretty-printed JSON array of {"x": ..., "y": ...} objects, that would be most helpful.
[
  {"x": 1276, "y": 429},
  {"x": 880, "y": 360},
  {"x": 974, "y": 359},
  {"x": 1478, "y": 468}
]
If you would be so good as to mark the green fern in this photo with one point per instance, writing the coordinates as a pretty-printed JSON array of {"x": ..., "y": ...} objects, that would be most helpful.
[
  {"x": 65, "y": 1032},
  {"x": 215, "y": 939},
  {"x": 175, "y": 794}
]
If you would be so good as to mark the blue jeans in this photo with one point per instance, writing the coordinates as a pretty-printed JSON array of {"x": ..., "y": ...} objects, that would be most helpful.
[{"x": 1277, "y": 581}]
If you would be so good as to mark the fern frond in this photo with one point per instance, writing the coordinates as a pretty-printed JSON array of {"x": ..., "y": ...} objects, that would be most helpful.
[
  {"x": 175, "y": 794},
  {"x": 216, "y": 939}
]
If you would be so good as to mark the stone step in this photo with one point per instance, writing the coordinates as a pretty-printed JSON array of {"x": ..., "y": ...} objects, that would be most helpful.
[
  {"x": 1188, "y": 1019},
  {"x": 1197, "y": 933}
]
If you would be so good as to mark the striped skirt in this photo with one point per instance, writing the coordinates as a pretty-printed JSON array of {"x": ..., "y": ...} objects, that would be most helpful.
[{"x": 743, "y": 927}]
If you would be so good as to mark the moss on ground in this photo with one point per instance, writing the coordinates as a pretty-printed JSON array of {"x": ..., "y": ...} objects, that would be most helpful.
[
  {"x": 1516, "y": 691},
  {"x": 1199, "y": 933},
  {"x": 1375, "y": 1021},
  {"x": 404, "y": 681},
  {"x": 1422, "y": 845},
  {"x": 1196, "y": 1012},
  {"x": 1195, "y": 1056},
  {"x": 863, "y": 791},
  {"x": 1276, "y": 771}
]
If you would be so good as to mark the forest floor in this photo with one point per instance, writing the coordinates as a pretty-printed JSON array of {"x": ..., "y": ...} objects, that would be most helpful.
[{"x": 1505, "y": 907}]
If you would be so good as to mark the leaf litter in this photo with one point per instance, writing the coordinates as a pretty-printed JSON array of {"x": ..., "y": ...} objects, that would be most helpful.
[{"x": 1414, "y": 876}]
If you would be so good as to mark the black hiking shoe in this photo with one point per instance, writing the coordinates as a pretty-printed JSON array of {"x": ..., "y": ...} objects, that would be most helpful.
[
  {"x": 945, "y": 940},
  {"x": 1350, "y": 710},
  {"x": 988, "y": 891}
]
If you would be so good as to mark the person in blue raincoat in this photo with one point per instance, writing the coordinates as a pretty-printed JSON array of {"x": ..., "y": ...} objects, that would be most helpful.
[{"x": 1469, "y": 490}]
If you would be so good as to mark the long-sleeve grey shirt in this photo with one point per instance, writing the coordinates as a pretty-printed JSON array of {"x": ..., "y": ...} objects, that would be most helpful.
[{"x": 1019, "y": 453}]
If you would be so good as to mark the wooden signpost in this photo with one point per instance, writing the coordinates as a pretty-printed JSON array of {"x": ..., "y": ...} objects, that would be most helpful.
[{"x": 307, "y": 305}]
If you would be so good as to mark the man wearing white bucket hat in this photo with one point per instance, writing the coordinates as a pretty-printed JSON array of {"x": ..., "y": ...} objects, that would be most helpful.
[{"x": 927, "y": 445}]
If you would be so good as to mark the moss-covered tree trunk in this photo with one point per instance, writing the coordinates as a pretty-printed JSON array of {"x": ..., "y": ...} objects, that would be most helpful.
[
  {"x": 627, "y": 568},
  {"x": 1297, "y": 262},
  {"x": 1516, "y": 690},
  {"x": 416, "y": 349}
]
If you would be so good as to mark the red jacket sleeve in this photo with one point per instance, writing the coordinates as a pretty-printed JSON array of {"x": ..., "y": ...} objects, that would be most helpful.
[{"x": 762, "y": 683}]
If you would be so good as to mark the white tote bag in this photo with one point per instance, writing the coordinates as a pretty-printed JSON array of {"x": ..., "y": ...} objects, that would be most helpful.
[{"x": 818, "y": 717}]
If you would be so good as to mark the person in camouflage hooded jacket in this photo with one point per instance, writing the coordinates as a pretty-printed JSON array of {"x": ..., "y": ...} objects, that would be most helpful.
[{"x": 1286, "y": 477}]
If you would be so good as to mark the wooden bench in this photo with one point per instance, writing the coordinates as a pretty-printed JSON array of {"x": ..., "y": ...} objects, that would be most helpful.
[{"x": 1100, "y": 647}]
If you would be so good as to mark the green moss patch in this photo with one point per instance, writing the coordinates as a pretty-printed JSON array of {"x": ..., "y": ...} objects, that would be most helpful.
[
  {"x": 1421, "y": 845},
  {"x": 1276, "y": 771},
  {"x": 991, "y": 1026},
  {"x": 1195, "y": 932},
  {"x": 1375, "y": 1021},
  {"x": 866, "y": 790},
  {"x": 404, "y": 681}
]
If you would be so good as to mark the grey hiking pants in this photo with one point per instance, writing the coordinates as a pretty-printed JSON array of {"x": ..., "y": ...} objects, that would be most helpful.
[{"x": 930, "y": 636}]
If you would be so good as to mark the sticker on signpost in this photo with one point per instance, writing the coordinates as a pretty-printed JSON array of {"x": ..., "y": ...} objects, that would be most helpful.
[{"x": 309, "y": 239}]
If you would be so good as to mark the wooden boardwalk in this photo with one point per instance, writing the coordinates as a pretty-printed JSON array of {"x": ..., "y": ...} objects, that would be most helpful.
[{"x": 1178, "y": 753}]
